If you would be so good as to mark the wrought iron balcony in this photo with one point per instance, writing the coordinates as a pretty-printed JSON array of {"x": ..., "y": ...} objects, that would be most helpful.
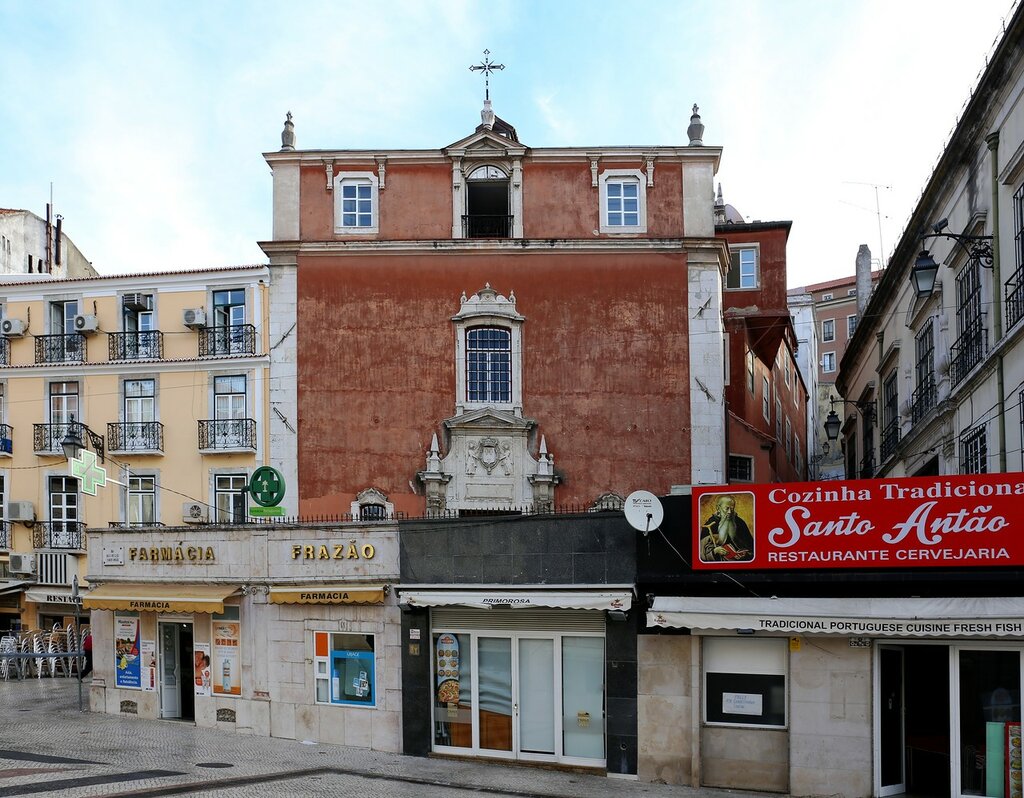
[
  {"x": 227, "y": 433},
  {"x": 922, "y": 400},
  {"x": 5, "y": 351},
  {"x": 47, "y": 438},
  {"x": 967, "y": 352},
  {"x": 234, "y": 339},
  {"x": 145, "y": 345},
  {"x": 6, "y": 439},
  {"x": 890, "y": 439},
  {"x": 135, "y": 436},
  {"x": 63, "y": 348},
  {"x": 65, "y": 535},
  {"x": 479, "y": 225},
  {"x": 5, "y": 535},
  {"x": 1015, "y": 298}
]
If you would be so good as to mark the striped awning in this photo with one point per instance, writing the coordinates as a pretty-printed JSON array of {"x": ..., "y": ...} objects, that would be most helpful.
[
  {"x": 327, "y": 594},
  {"x": 158, "y": 597}
]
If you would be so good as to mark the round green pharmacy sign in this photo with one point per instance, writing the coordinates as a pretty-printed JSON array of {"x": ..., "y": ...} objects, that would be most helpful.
[{"x": 266, "y": 486}]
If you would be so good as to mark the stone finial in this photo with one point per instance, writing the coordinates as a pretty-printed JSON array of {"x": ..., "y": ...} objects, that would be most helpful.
[
  {"x": 487, "y": 115},
  {"x": 696, "y": 130},
  {"x": 288, "y": 134},
  {"x": 434, "y": 455},
  {"x": 719, "y": 200}
]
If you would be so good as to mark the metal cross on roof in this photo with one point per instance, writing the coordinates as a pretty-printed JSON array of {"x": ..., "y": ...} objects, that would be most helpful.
[{"x": 487, "y": 67}]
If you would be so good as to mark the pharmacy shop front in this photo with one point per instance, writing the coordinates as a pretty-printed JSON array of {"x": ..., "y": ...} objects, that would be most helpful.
[{"x": 859, "y": 696}]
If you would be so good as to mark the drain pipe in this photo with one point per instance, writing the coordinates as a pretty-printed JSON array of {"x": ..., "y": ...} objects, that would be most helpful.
[{"x": 992, "y": 140}]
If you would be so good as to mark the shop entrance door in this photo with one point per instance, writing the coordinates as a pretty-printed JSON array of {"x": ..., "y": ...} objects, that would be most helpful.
[
  {"x": 890, "y": 721},
  {"x": 177, "y": 695}
]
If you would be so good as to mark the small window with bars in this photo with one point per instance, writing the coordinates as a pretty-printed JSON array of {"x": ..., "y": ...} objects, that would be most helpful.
[
  {"x": 489, "y": 364},
  {"x": 974, "y": 451},
  {"x": 741, "y": 468}
]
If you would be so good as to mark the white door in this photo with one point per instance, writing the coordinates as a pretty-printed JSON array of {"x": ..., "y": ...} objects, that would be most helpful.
[
  {"x": 170, "y": 672},
  {"x": 535, "y": 698}
]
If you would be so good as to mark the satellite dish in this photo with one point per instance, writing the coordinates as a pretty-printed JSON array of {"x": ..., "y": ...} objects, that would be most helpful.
[{"x": 643, "y": 510}]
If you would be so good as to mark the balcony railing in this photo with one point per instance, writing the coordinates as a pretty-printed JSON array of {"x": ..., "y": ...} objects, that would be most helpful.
[
  {"x": 5, "y": 535},
  {"x": 922, "y": 400},
  {"x": 63, "y": 348},
  {"x": 6, "y": 439},
  {"x": 47, "y": 438},
  {"x": 890, "y": 439},
  {"x": 5, "y": 351},
  {"x": 227, "y": 433},
  {"x": 480, "y": 225},
  {"x": 967, "y": 352},
  {"x": 1015, "y": 298},
  {"x": 66, "y": 535},
  {"x": 135, "y": 436},
  {"x": 145, "y": 345},
  {"x": 234, "y": 339}
]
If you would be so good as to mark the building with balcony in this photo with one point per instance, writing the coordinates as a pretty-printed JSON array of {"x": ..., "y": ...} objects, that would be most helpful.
[{"x": 163, "y": 376}]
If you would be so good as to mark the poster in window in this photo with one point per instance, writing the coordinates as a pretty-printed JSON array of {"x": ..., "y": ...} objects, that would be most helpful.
[
  {"x": 227, "y": 677},
  {"x": 447, "y": 662},
  {"x": 203, "y": 676},
  {"x": 127, "y": 663},
  {"x": 148, "y": 650}
]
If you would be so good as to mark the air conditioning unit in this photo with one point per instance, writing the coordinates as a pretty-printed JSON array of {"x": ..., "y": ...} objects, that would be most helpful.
[
  {"x": 24, "y": 564},
  {"x": 137, "y": 301},
  {"x": 23, "y": 512},
  {"x": 86, "y": 324},
  {"x": 194, "y": 318},
  {"x": 12, "y": 328},
  {"x": 195, "y": 513}
]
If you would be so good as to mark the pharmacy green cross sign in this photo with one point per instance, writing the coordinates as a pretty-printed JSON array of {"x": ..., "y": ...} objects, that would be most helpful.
[
  {"x": 266, "y": 486},
  {"x": 84, "y": 468}
]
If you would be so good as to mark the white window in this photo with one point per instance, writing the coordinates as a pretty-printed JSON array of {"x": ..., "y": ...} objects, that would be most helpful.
[
  {"x": 766, "y": 401},
  {"x": 851, "y": 326},
  {"x": 745, "y": 681},
  {"x": 623, "y": 201},
  {"x": 742, "y": 268},
  {"x": 355, "y": 203},
  {"x": 141, "y": 500},
  {"x": 826, "y": 297},
  {"x": 828, "y": 330},
  {"x": 488, "y": 351},
  {"x": 852, "y": 292},
  {"x": 344, "y": 668},
  {"x": 228, "y": 498},
  {"x": 828, "y": 362}
]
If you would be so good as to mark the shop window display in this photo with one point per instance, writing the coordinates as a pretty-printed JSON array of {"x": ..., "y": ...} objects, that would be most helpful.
[{"x": 344, "y": 668}]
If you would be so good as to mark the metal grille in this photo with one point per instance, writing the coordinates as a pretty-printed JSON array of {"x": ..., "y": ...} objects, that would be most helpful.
[
  {"x": 68, "y": 535},
  {"x": 488, "y": 364},
  {"x": 741, "y": 468},
  {"x": 967, "y": 352},
  {"x": 487, "y": 226},
  {"x": 5, "y": 535},
  {"x": 5, "y": 351},
  {"x": 923, "y": 398},
  {"x": 63, "y": 348},
  {"x": 136, "y": 436},
  {"x": 145, "y": 345},
  {"x": 227, "y": 433},
  {"x": 53, "y": 569},
  {"x": 232, "y": 339},
  {"x": 47, "y": 438},
  {"x": 890, "y": 417},
  {"x": 974, "y": 451}
]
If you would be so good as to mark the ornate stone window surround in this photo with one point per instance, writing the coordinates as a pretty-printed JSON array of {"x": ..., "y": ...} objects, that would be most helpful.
[
  {"x": 487, "y": 308},
  {"x": 356, "y": 177},
  {"x": 467, "y": 161},
  {"x": 617, "y": 175},
  {"x": 371, "y": 497}
]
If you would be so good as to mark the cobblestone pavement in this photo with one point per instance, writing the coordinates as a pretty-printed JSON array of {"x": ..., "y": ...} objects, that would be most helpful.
[{"x": 48, "y": 748}]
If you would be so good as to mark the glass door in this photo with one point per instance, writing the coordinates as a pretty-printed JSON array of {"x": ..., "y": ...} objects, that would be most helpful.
[
  {"x": 170, "y": 672},
  {"x": 495, "y": 707},
  {"x": 536, "y": 694},
  {"x": 989, "y": 723},
  {"x": 583, "y": 708}
]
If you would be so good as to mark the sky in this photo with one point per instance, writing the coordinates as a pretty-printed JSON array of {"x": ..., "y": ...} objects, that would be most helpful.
[{"x": 149, "y": 120}]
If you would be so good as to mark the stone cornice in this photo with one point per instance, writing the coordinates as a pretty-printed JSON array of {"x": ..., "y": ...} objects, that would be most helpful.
[{"x": 469, "y": 246}]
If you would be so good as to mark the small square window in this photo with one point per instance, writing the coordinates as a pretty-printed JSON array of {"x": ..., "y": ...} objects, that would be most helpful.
[
  {"x": 742, "y": 268},
  {"x": 355, "y": 203},
  {"x": 826, "y": 297},
  {"x": 741, "y": 468},
  {"x": 623, "y": 201},
  {"x": 828, "y": 362}
]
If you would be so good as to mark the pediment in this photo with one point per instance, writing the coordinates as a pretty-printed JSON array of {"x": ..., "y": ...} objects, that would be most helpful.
[
  {"x": 489, "y": 419},
  {"x": 485, "y": 143}
]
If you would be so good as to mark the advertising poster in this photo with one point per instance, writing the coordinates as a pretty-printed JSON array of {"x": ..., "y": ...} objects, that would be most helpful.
[
  {"x": 227, "y": 676},
  {"x": 908, "y": 522},
  {"x": 148, "y": 650},
  {"x": 127, "y": 663},
  {"x": 447, "y": 669},
  {"x": 202, "y": 668}
]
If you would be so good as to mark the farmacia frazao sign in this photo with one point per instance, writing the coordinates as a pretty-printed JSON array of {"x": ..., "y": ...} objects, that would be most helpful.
[{"x": 916, "y": 522}]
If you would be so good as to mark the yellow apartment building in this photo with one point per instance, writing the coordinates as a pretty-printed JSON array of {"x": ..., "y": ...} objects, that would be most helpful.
[{"x": 165, "y": 377}]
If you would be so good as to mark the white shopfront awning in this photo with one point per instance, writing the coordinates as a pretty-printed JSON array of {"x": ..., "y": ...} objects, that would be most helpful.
[
  {"x": 860, "y": 617},
  {"x": 596, "y": 597},
  {"x": 6, "y": 588}
]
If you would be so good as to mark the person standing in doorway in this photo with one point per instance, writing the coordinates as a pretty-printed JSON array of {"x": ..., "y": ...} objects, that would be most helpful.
[{"x": 87, "y": 648}]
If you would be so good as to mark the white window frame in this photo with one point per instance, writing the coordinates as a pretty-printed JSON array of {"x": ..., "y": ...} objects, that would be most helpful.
[
  {"x": 216, "y": 492},
  {"x": 322, "y": 671},
  {"x": 745, "y": 656},
  {"x": 739, "y": 249},
  {"x": 828, "y": 331},
  {"x": 750, "y": 466},
  {"x": 487, "y": 308},
  {"x": 825, "y": 297},
  {"x": 766, "y": 400},
  {"x": 851, "y": 325},
  {"x": 621, "y": 175},
  {"x": 826, "y": 359},
  {"x": 356, "y": 177},
  {"x": 130, "y": 494}
]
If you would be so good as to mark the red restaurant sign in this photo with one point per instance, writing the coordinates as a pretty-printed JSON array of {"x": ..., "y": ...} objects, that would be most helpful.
[{"x": 919, "y": 522}]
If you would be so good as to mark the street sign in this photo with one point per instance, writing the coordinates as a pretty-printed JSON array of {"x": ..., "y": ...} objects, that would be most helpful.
[{"x": 85, "y": 469}]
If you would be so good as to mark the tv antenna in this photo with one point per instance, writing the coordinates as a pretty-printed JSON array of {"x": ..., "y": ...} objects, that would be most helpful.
[{"x": 878, "y": 213}]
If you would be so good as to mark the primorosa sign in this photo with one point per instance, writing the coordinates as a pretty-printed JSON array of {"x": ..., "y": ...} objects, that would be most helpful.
[{"x": 920, "y": 522}]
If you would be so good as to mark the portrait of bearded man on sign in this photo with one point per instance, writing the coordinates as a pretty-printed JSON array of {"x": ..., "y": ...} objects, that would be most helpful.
[{"x": 724, "y": 536}]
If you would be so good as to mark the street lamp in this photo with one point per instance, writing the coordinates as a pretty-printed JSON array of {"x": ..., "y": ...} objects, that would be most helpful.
[
  {"x": 976, "y": 248},
  {"x": 73, "y": 442},
  {"x": 833, "y": 423}
]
